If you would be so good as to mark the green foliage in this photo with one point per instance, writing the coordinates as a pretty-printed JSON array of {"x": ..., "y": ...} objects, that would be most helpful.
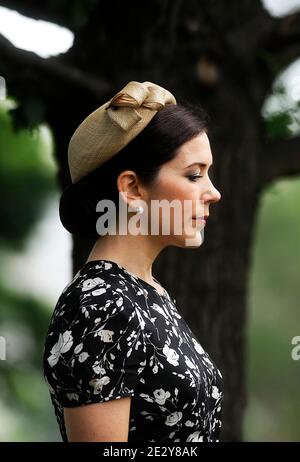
[
  {"x": 29, "y": 114},
  {"x": 24, "y": 321},
  {"x": 273, "y": 376},
  {"x": 24, "y": 310},
  {"x": 26, "y": 181},
  {"x": 284, "y": 121},
  {"x": 278, "y": 125}
]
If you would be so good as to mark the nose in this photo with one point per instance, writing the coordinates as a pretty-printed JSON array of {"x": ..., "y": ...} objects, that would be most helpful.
[
  {"x": 212, "y": 194},
  {"x": 217, "y": 195}
]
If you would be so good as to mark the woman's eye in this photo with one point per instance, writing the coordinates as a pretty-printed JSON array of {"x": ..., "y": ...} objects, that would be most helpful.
[{"x": 194, "y": 177}]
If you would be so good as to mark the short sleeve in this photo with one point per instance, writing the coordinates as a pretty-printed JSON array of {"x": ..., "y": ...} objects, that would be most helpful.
[{"x": 101, "y": 354}]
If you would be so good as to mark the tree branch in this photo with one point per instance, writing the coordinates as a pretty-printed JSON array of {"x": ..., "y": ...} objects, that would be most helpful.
[
  {"x": 280, "y": 158},
  {"x": 50, "y": 69}
]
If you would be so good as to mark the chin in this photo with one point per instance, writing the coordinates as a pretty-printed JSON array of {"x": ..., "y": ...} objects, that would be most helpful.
[{"x": 194, "y": 240}]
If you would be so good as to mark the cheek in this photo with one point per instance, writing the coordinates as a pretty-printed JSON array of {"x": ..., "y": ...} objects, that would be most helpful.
[{"x": 175, "y": 188}]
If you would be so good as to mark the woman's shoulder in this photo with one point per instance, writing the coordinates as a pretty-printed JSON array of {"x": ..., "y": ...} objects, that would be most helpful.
[
  {"x": 94, "y": 324},
  {"x": 97, "y": 293},
  {"x": 98, "y": 283}
]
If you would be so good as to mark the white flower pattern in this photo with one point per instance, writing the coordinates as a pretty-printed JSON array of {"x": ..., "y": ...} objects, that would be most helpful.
[
  {"x": 63, "y": 345},
  {"x": 112, "y": 335}
]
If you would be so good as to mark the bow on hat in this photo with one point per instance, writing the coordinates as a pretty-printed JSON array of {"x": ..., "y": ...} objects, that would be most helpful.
[{"x": 123, "y": 107}]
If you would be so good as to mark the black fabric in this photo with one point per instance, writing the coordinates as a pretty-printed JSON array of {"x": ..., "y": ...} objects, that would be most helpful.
[{"x": 112, "y": 335}]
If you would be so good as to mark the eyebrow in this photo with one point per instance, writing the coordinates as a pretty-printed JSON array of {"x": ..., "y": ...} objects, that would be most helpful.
[{"x": 199, "y": 163}]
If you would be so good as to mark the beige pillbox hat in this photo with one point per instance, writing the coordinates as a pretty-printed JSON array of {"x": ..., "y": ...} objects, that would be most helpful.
[{"x": 113, "y": 125}]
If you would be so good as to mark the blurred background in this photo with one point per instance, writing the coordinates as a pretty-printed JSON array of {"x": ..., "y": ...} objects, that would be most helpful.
[{"x": 35, "y": 257}]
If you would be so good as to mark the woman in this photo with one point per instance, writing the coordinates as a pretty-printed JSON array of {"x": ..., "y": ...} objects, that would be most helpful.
[{"x": 120, "y": 362}]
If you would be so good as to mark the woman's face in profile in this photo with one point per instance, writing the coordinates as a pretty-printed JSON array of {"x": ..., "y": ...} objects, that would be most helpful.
[{"x": 185, "y": 180}]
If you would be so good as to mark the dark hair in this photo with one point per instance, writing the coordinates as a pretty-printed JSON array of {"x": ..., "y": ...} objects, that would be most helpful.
[{"x": 158, "y": 143}]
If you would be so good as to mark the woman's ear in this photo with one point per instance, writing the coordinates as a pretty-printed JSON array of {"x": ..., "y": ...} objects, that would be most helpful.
[{"x": 130, "y": 186}]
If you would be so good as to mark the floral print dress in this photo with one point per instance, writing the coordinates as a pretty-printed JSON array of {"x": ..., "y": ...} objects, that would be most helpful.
[{"x": 112, "y": 335}]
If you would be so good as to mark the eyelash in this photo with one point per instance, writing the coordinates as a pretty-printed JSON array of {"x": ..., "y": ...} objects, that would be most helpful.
[{"x": 194, "y": 177}]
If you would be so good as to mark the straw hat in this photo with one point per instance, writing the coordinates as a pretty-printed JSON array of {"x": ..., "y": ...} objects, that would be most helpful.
[{"x": 113, "y": 125}]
